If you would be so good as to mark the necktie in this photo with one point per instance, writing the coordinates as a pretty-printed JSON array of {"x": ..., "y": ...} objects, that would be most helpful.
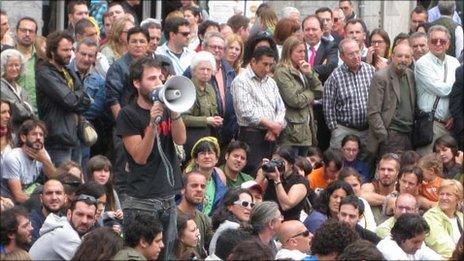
[{"x": 312, "y": 57}]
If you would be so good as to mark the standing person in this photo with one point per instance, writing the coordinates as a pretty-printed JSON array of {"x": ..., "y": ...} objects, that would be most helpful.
[
  {"x": 116, "y": 46},
  {"x": 391, "y": 104},
  {"x": 418, "y": 43},
  {"x": 326, "y": 17},
  {"x": 299, "y": 87},
  {"x": 154, "y": 174},
  {"x": 60, "y": 100},
  {"x": 259, "y": 107},
  {"x": 345, "y": 96},
  {"x": 435, "y": 75},
  {"x": 379, "y": 49},
  {"x": 77, "y": 10},
  {"x": 456, "y": 106},
  {"x": 446, "y": 10}
]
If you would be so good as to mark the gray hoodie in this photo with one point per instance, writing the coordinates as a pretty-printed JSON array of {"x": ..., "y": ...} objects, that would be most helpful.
[{"x": 57, "y": 241}]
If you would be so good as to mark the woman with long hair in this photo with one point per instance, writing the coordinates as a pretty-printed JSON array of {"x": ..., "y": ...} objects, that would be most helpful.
[
  {"x": 299, "y": 87},
  {"x": 117, "y": 40},
  {"x": 234, "y": 210},
  {"x": 6, "y": 131},
  {"x": 99, "y": 169},
  {"x": 379, "y": 50},
  {"x": 285, "y": 28},
  {"x": 99, "y": 244},
  {"x": 188, "y": 237},
  {"x": 327, "y": 204},
  {"x": 234, "y": 52}
]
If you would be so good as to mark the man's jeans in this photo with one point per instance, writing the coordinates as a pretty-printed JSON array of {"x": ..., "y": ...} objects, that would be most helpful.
[
  {"x": 60, "y": 156},
  {"x": 164, "y": 210}
]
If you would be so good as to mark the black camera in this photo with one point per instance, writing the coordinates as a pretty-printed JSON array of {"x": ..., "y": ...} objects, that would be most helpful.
[{"x": 271, "y": 165}]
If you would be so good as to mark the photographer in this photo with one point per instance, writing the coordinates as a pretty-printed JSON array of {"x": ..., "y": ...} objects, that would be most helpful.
[{"x": 285, "y": 185}]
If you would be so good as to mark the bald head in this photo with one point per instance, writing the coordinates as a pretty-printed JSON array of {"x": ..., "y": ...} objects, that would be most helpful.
[
  {"x": 406, "y": 203},
  {"x": 53, "y": 196},
  {"x": 294, "y": 236}
]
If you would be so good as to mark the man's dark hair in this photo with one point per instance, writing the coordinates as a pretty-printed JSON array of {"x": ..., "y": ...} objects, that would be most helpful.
[
  {"x": 332, "y": 237},
  {"x": 354, "y": 201},
  {"x": 361, "y": 250},
  {"x": 408, "y": 226},
  {"x": 251, "y": 250},
  {"x": 113, "y": 3},
  {"x": 351, "y": 137},
  {"x": 70, "y": 183},
  {"x": 81, "y": 25},
  {"x": 250, "y": 45},
  {"x": 173, "y": 24},
  {"x": 238, "y": 21},
  {"x": 399, "y": 37},
  {"x": 186, "y": 176},
  {"x": 204, "y": 25},
  {"x": 419, "y": 9},
  {"x": 27, "y": 18},
  {"x": 313, "y": 16},
  {"x": 335, "y": 156},
  {"x": 54, "y": 39},
  {"x": 447, "y": 141},
  {"x": 345, "y": 1},
  {"x": 262, "y": 51},
  {"x": 9, "y": 223},
  {"x": 411, "y": 169},
  {"x": 91, "y": 188},
  {"x": 29, "y": 125},
  {"x": 409, "y": 157},
  {"x": 228, "y": 240},
  {"x": 356, "y": 21},
  {"x": 2, "y": 12},
  {"x": 73, "y": 3},
  {"x": 137, "y": 30},
  {"x": 237, "y": 144},
  {"x": 324, "y": 9},
  {"x": 322, "y": 201},
  {"x": 142, "y": 226},
  {"x": 137, "y": 68}
]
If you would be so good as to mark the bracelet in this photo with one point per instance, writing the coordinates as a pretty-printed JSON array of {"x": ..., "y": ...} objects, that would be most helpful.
[
  {"x": 176, "y": 118},
  {"x": 277, "y": 183}
]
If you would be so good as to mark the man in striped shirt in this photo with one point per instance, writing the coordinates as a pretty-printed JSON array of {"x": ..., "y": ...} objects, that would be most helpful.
[
  {"x": 345, "y": 95},
  {"x": 259, "y": 107}
]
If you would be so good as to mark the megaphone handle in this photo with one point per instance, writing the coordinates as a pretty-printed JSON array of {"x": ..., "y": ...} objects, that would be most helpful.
[{"x": 157, "y": 120}]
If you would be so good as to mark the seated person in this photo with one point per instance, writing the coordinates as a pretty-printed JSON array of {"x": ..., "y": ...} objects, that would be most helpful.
[
  {"x": 350, "y": 148},
  {"x": 321, "y": 177},
  {"x": 446, "y": 148},
  {"x": 432, "y": 168},
  {"x": 236, "y": 160}
]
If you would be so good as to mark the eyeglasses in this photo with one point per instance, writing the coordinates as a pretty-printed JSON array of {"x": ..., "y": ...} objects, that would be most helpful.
[
  {"x": 439, "y": 41},
  {"x": 214, "y": 47},
  {"x": 377, "y": 42},
  {"x": 86, "y": 199},
  {"x": 304, "y": 234},
  {"x": 244, "y": 203},
  {"x": 185, "y": 33}
]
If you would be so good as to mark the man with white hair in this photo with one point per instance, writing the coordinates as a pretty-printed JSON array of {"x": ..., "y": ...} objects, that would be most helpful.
[
  {"x": 447, "y": 9},
  {"x": 292, "y": 13}
]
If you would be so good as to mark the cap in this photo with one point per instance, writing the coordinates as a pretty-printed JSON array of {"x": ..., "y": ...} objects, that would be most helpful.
[{"x": 251, "y": 184}]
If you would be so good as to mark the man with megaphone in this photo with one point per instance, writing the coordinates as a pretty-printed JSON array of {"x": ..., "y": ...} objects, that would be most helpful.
[{"x": 149, "y": 129}]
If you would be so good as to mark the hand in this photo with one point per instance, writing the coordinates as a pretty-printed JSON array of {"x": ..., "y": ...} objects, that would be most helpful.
[
  {"x": 380, "y": 64},
  {"x": 305, "y": 67},
  {"x": 215, "y": 121},
  {"x": 370, "y": 55},
  {"x": 270, "y": 136},
  {"x": 119, "y": 214},
  {"x": 275, "y": 127},
  {"x": 39, "y": 155},
  {"x": 157, "y": 110},
  {"x": 275, "y": 176},
  {"x": 5, "y": 203},
  {"x": 449, "y": 123}
]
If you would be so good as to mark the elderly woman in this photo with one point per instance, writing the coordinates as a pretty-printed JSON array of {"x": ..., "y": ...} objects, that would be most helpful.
[
  {"x": 13, "y": 65},
  {"x": 234, "y": 52},
  {"x": 205, "y": 155},
  {"x": 445, "y": 220},
  {"x": 298, "y": 86},
  {"x": 202, "y": 120}
]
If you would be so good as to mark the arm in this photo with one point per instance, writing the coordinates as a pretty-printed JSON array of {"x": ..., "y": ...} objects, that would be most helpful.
[
  {"x": 438, "y": 238},
  {"x": 16, "y": 191},
  {"x": 295, "y": 195},
  {"x": 288, "y": 88},
  {"x": 328, "y": 102},
  {"x": 140, "y": 148},
  {"x": 458, "y": 34},
  {"x": 374, "y": 107},
  {"x": 329, "y": 64},
  {"x": 178, "y": 131},
  {"x": 431, "y": 82},
  {"x": 114, "y": 85},
  {"x": 456, "y": 104},
  {"x": 243, "y": 105},
  {"x": 368, "y": 193}
]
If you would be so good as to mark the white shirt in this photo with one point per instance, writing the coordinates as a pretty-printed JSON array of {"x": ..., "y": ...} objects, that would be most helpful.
[
  {"x": 179, "y": 64},
  {"x": 434, "y": 79},
  {"x": 290, "y": 254},
  {"x": 392, "y": 251},
  {"x": 368, "y": 220}
]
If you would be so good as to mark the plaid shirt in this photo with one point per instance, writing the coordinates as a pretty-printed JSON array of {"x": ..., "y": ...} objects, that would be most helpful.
[{"x": 345, "y": 96}]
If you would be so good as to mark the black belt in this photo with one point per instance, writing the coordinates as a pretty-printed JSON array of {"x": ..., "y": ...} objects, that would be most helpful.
[
  {"x": 251, "y": 129},
  {"x": 359, "y": 128}
]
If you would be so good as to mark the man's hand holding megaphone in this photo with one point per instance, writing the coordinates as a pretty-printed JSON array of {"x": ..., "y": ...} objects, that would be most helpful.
[{"x": 156, "y": 112}]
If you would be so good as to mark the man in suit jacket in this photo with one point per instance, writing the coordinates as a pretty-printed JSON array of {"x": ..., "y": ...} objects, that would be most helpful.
[
  {"x": 322, "y": 55},
  {"x": 391, "y": 103},
  {"x": 456, "y": 106}
]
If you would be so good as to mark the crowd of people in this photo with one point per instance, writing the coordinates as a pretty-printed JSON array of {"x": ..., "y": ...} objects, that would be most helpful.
[{"x": 300, "y": 144}]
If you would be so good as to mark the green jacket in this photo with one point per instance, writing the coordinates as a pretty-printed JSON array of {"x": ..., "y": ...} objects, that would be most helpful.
[
  {"x": 440, "y": 237},
  {"x": 298, "y": 96},
  {"x": 205, "y": 106},
  {"x": 129, "y": 253}
]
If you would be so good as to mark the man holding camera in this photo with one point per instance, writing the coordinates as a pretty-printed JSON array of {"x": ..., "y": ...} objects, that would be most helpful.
[
  {"x": 154, "y": 175},
  {"x": 22, "y": 166}
]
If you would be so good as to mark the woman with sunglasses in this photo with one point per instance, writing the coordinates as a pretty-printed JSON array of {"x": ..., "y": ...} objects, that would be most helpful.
[
  {"x": 285, "y": 185},
  {"x": 234, "y": 209}
]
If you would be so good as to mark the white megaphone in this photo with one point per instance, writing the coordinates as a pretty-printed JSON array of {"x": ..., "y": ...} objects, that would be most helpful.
[{"x": 178, "y": 94}]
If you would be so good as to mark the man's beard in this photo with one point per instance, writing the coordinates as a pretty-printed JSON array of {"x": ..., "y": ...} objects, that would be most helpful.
[
  {"x": 60, "y": 60},
  {"x": 401, "y": 68},
  {"x": 80, "y": 233},
  {"x": 49, "y": 210}
]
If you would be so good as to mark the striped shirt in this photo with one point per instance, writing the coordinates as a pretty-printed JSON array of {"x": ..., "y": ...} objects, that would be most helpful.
[
  {"x": 256, "y": 98},
  {"x": 345, "y": 96}
]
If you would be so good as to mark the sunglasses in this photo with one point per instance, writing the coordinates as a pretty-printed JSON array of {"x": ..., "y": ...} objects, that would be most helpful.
[
  {"x": 86, "y": 199},
  {"x": 244, "y": 203},
  {"x": 304, "y": 234},
  {"x": 185, "y": 33},
  {"x": 439, "y": 41}
]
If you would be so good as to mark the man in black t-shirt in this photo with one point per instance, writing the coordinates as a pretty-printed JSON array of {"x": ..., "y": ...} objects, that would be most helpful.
[{"x": 154, "y": 175}]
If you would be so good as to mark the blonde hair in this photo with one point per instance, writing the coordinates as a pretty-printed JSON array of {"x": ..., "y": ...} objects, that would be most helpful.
[
  {"x": 289, "y": 45},
  {"x": 114, "y": 41},
  {"x": 268, "y": 19},
  {"x": 235, "y": 38},
  {"x": 455, "y": 185},
  {"x": 432, "y": 162}
]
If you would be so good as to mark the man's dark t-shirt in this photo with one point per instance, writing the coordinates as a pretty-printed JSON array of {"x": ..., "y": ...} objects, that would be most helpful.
[{"x": 149, "y": 180}]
